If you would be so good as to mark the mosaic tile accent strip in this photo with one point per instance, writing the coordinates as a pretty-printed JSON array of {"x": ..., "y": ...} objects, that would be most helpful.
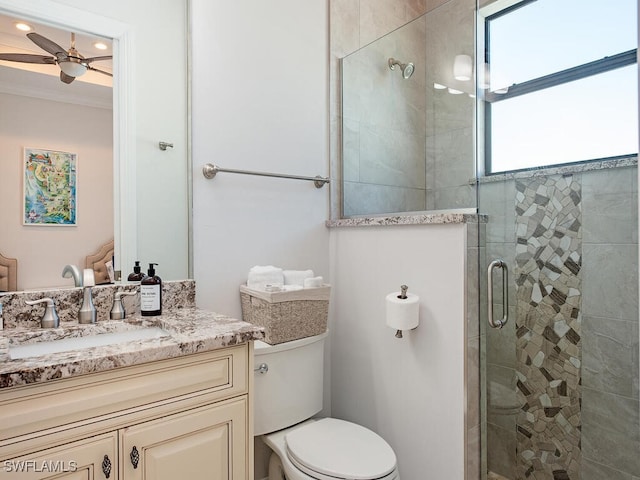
[{"x": 548, "y": 264}]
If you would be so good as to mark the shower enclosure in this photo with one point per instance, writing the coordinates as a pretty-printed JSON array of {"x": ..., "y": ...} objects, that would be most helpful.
[
  {"x": 559, "y": 380},
  {"x": 561, "y": 377},
  {"x": 407, "y": 139}
]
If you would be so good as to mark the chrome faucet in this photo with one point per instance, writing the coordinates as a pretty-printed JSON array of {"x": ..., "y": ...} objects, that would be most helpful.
[
  {"x": 50, "y": 318},
  {"x": 72, "y": 271},
  {"x": 87, "y": 312}
]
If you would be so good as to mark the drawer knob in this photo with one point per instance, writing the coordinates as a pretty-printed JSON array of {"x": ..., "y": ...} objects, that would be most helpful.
[
  {"x": 106, "y": 466},
  {"x": 135, "y": 457}
]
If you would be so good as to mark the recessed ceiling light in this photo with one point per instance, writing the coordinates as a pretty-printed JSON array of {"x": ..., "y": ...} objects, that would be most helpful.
[
  {"x": 23, "y": 27},
  {"x": 100, "y": 45}
]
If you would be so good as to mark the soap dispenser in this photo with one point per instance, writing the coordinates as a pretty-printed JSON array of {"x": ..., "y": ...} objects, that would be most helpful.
[
  {"x": 137, "y": 274},
  {"x": 151, "y": 293}
]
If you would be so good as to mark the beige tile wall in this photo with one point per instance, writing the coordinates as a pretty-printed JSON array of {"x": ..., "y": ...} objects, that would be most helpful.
[{"x": 428, "y": 133}]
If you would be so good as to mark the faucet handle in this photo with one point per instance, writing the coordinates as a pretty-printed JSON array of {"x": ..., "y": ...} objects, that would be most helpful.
[
  {"x": 88, "y": 278},
  {"x": 50, "y": 318},
  {"x": 117, "y": 311}
]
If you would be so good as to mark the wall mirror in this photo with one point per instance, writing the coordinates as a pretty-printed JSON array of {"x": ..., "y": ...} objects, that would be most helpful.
[
  {"x": 407, "y": 131},
  {"x": 143, "y": 113},
  {"x": 56, "y": 145}
]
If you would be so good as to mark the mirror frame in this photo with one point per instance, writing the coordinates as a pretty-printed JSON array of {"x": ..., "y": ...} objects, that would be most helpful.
[{"x": 124, "y": 151}]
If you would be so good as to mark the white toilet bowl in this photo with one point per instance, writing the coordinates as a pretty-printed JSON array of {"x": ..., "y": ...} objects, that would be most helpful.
[
  {"x": 288, "y": 392},
  {"x": 330, "y": 449}
]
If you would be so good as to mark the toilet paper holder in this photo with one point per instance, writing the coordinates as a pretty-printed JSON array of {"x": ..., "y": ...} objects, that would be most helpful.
[
  {"x": 412, "y": 302},
  {"x": 403, "y": 295}
]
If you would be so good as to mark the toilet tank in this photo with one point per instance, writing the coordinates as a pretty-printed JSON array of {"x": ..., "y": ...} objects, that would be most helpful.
[{"x": 291, "y": 390}]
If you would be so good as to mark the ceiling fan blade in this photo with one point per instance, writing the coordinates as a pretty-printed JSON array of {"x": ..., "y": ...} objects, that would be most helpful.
[
  {"x": 27, "y": 58},
  {"x": 96, "y": 59},
  {"x": 89, "y": 67},
  {"x": 66, "y": 78},
  {"x": 47, "y": 45}
]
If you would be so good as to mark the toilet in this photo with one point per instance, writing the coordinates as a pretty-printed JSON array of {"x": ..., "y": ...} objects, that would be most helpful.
[{"x": 288, "y": 388}]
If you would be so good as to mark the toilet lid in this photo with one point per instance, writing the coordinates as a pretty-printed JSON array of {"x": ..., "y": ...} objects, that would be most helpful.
[{"x": 340, "y": 449}]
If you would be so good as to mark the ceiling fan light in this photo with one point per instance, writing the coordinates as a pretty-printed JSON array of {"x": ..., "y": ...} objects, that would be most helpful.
[{"x": 73, "y": 69}]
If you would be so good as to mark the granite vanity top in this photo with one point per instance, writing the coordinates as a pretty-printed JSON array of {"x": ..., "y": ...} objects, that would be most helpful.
[{"x": 189, "y": 330}]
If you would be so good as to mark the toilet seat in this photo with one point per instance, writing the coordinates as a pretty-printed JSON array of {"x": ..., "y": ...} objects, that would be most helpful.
[{"x": 331, "y": 449}]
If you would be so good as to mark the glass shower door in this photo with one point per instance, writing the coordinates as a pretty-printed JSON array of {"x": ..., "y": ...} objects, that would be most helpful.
[
  {"x": 561, "y": 376},
  {"x": 559, "y": 350}
]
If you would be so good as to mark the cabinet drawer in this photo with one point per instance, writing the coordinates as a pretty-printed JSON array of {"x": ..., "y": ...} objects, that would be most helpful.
[
  {"x": 86, "y": 399},
  {"x": 91, "y": 458}
]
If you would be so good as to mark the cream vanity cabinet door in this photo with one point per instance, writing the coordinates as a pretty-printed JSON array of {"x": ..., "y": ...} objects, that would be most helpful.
[
  {"x": 94, "y": 458},
  {"x": 203, "y": 443}
]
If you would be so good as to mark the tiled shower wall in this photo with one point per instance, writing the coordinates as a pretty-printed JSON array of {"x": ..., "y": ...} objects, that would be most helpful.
[
  {"x": 407, "y": 145},
  {"x": 384, "y": 125},
  {"x": 562, "y": 379}
]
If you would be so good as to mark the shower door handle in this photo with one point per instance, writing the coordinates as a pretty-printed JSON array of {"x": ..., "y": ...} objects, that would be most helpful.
[{"x": 505, "y": 297}]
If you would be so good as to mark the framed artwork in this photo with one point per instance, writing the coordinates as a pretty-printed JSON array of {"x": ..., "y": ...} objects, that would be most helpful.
[{"x": 49, "y": 187}]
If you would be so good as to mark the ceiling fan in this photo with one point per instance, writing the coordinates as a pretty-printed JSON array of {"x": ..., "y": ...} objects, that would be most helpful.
[{"x": 71, "y": 63}]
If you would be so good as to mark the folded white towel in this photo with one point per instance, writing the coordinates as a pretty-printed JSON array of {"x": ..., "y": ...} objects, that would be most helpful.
[
  {"x": 313, "y": 282},
  {"x": 296, "y": 277},
  {"x": 260, "y": 276},
  {"x": 291, "y": 288}
]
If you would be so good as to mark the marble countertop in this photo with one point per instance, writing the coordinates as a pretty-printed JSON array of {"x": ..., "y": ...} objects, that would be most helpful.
[{"x": 189, "y": 330}]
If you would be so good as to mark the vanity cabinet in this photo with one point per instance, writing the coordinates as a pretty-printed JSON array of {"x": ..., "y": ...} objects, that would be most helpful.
[
  {"x": 88, "y": 459},
  {"x": 187, "y": 417},
  {"x": 204, "y": 443}
]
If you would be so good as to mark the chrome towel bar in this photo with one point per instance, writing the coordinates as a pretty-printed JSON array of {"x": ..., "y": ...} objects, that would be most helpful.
[{"x": 210, "y": 170}]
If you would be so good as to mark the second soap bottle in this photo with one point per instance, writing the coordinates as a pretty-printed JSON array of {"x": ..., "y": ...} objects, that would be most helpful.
[{"x": 151, "y": 293}]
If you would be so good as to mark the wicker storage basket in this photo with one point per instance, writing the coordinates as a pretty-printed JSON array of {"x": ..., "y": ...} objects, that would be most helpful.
[{"x": 287, "y": 316}]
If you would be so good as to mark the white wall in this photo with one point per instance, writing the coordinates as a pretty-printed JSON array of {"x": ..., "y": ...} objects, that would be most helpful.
[
  {"x": 259, "y": 82},
  {"x": 259, "y": 103},
  {"x": 409, "y": 390},
  {"x": 42, "y": 251}
]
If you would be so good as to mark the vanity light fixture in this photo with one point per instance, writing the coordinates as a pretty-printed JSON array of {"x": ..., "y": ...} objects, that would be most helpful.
[
  {"x": 100, "y": 46},
  {"x": 453, "y": 91},
  {"x": 439, "y": 86}
]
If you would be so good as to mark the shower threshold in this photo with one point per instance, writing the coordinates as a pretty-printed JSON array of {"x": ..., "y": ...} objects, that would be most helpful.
[{"x": 496, "y": 476}]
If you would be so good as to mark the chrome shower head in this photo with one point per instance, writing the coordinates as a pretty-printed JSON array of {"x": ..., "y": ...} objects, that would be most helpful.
[{"x": 406, "y": 68}]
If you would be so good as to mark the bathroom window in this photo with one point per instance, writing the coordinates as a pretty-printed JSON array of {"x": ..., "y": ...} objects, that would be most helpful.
[{"x": 560, "y": 83}]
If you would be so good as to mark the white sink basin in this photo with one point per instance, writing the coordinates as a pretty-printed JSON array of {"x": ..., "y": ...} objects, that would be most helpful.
[{"x": 37, "y": 349}]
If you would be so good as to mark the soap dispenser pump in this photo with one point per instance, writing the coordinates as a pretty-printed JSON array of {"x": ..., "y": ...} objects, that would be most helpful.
[
  {"x": 137, "y": 274},
  {"x": 151, "y": 293}
]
